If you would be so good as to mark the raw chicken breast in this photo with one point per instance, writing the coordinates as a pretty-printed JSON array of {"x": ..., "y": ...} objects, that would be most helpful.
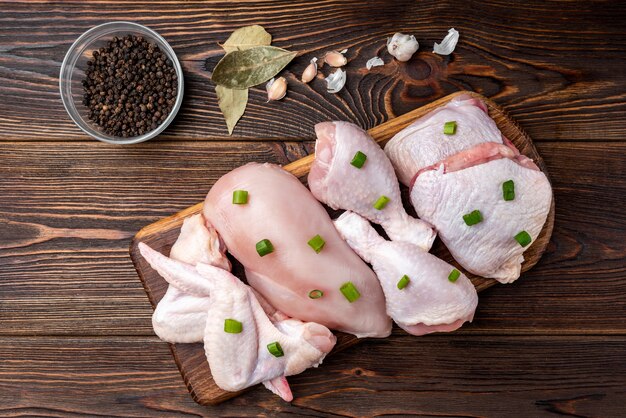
[
  {"x": 442, "y": 197},
  {"x": 242, "y": 359},
  {"x": 280, "y": 209},
  {"x": 336, "y": 182},
  {"x": 181, "y": 317},
  {"x": 430, "y": 302},
  {"x": 423, "y": 143}
]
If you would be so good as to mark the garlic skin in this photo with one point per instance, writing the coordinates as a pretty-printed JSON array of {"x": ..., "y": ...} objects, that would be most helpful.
[
  {"x": 336, "y": 59},
  {"x": 276, "y": 88},
  {"x": 310, "y": 71},
  {"x": 335, "y": 81},
  {"x": 374, "y": 62},
  {"x": 402, "y": 46},
  {"x": 446, "y": 47}
]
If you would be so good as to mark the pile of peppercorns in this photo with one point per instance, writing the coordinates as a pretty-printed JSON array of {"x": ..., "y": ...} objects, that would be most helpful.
[{"x": 130, "y": 87}]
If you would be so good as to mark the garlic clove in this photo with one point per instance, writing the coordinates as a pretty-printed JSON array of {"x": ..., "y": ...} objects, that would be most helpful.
[
  {"x": 335, "y": 81},
  {"x": 446, "y": 47},
  {"x": 310, "y": 71},
  {"x": 276, "y": 88},
  {"x": 402, "y": 46},
  {"x": 335, "y": 59},
  {"x": 374, "y": 62}
]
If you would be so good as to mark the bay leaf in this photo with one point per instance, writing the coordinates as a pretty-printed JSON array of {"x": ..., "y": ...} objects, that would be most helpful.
[
  {"x": 247, "y": 68},
  {"x": 246, "y": 38},
  {"x": 232, "y": 104}
]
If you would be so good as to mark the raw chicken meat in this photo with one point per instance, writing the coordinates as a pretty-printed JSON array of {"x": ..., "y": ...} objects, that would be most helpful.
[
  {"x": 464, "y": 183},
  {"x": 180, "y": 317},
  {"x": 423, "y": 143},
  {"x": 338, "y": 183},
  {"x": 430, "y": 302},
  {"x": 294, "y": 276},
  {"x": 242, "y": 359}
]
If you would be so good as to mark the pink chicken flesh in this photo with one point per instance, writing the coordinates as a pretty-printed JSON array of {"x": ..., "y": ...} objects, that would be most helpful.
[
  {"x": 336, "y": 182},
  {"x": 430, "y": 302},
  {"x": 283, "y": 211},
  {"x": 239, "y": 360},
  {"x": 473, "y": 180},
  {"x": 423, "y": 143}
]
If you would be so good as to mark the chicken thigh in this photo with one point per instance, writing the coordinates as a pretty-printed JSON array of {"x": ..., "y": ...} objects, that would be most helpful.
[
  {"x": 358, "y": 185},
  {"x": 242, "y": 345},
  {"x": 181, "y": 317},
  {"x": 292, "y": 253},
  {"x": 424, "y": 142},
  {"x": 487, "y": 205},
  {"x": 424, "y": 294}
]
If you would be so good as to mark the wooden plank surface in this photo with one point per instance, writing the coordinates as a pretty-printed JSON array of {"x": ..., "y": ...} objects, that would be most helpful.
[
  {"x": 557, "y": 66},
  {"x": 161, "y": 235},
  {"x": 75, "y": 333}
]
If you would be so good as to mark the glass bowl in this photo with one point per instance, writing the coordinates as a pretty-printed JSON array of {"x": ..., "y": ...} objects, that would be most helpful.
[{"x": 73, "y": 73}]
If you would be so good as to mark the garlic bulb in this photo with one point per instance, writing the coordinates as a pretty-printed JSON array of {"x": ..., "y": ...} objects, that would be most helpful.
[
  {"x": 402, "y": 46},
  {"x": 336, "y": 81},
  {"x": 336, "y": 59},
  {"x": 310, "y": 71},
  {"x": 276, "y": 88},
  {"x": 446, "y": 47}
]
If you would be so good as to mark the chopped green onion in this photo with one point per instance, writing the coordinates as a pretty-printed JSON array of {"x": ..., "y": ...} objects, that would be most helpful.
[
  {"x": 359, "y": 159},
  {"x": 523, "y": 238},
  {"x": 473, "y": 218},
  {"x": 264, "y": 247},
  {"x": 449, "y": 128},
  {"x": 508, "y": 190},
  {"x": 454, "y": 275},
  {"x": 240, "y": 197},
  {"x": 316, "y": 294},
  {"x": 232, "y": 326},
  {"x": 381, "y": 202},
  {"x": 275, "y": 349},
  {"x": 350, "y": 291},
  {"x": 317, "y": 243},
  {"x": 404, "y": 282}
]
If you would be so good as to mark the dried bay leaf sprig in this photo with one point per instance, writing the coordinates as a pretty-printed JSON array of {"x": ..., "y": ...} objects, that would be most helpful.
[
  {"x": 247, "y": 68},
  {"x": 233, "y": 102}
]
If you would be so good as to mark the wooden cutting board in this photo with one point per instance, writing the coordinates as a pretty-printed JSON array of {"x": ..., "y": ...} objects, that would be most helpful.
[{"x": 161, "y": 236}]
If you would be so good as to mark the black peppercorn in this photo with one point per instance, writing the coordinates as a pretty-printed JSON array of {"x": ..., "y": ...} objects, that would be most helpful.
[{"x": 124, "y": 86}]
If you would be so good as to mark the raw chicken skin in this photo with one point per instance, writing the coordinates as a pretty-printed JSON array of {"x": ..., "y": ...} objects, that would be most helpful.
[
  {"x": 488, "y": 248},
  {"x": 430, "y": 302},
  {"x": 181, "y": 317},
  {"x": 423, "y": 143},
  {"x": 336, "y": 182},
  {"x": 283, "y": 211},
  {"x": 241, "y": 360}
]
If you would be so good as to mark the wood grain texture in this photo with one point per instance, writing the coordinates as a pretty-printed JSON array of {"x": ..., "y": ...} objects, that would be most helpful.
[
  {"x": 161, "y": 235},
  {"x": 135, "y": 377},
  {"x": 556, "y": 66}
]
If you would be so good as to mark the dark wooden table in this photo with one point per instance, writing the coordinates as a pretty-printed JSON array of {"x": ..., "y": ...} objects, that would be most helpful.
[{"x": 75, "y": 331}]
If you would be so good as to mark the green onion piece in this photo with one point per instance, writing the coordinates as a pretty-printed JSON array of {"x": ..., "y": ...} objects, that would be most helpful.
[
  {"x": 381, "y": 202},
  {"x": 359, "y": 159},
  {"x": 523, "y": 238},
  {"x": 232, "y": 326},
  {"x": 404, "y": 282},
  {"x": 454, "y": 275},
  {"x": 317, "y": 243},
  {"x": 240, "y": 197},
  {"x": 316, "y": 294},
  {"x": 350, "y": 291},
  {"x": 275, "y": 349},
  {"x": 508, "y": 190},
  {"x": 449, "y": 128},
  {"x": 264, "y": 247},
  {"x": 473, "y": 218}
]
